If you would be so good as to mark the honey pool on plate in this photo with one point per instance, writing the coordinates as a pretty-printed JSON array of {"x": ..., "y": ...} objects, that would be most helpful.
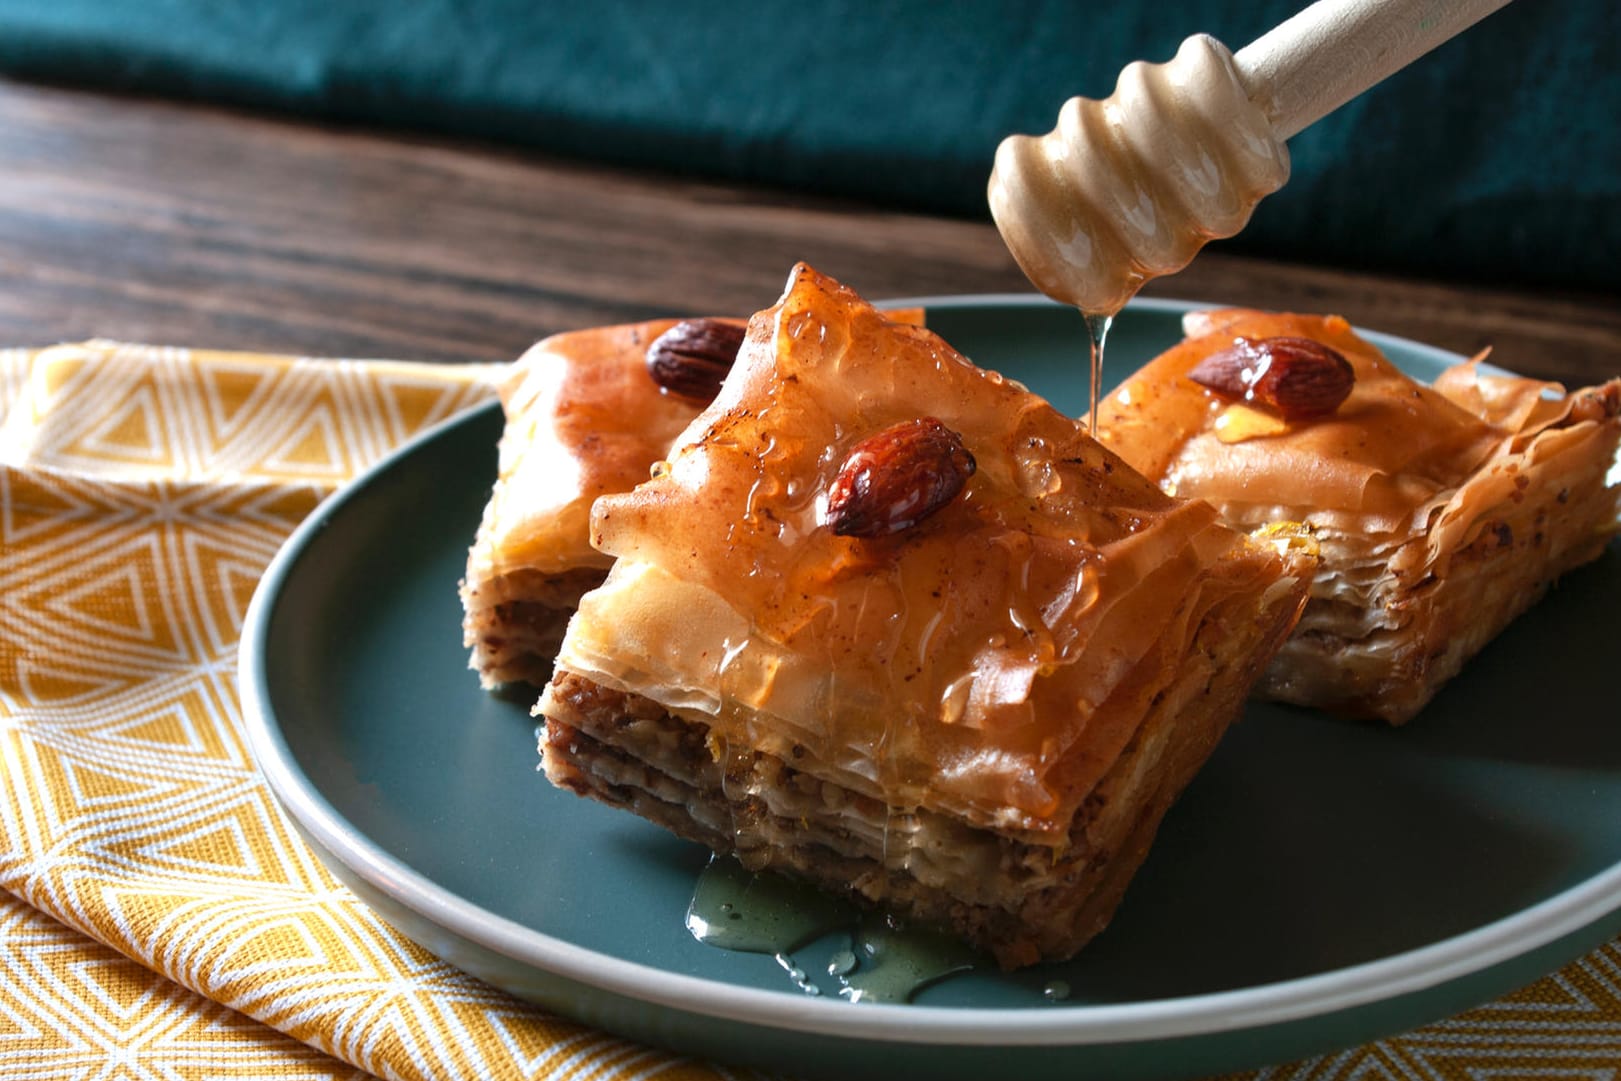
[{"x": 810, "y": 935}]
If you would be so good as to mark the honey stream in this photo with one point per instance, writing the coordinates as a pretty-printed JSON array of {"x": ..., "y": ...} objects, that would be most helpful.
[{"x": 1097, "y": 334}]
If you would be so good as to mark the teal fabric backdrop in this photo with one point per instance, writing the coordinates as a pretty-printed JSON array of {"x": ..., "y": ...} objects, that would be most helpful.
[{"x": 1496, "y": 158}]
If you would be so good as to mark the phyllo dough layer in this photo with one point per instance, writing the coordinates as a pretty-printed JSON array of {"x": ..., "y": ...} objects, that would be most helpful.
[
  {"x": 977, "y": 720},
  {"x": 1441, "y": 512}
]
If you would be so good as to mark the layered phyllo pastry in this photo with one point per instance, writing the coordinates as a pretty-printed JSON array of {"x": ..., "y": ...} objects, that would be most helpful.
[
  {"x": 1441, "y": 512},
  {"x": 587, "y": 412},
  {"x": 888, "y": 622}
]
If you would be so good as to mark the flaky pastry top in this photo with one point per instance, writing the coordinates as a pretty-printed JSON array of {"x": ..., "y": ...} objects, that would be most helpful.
[
  {"x": 993, "y": 659},
  {"x": 583, "y": 418},
  {"x": 1396, "y": 461}
]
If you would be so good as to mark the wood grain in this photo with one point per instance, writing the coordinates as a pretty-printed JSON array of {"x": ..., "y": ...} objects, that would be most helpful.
[{"x": 181, "y": 224}]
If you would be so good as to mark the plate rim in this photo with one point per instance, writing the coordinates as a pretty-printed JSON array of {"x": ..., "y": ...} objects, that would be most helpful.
[{"x": 1252, "y": 1007}]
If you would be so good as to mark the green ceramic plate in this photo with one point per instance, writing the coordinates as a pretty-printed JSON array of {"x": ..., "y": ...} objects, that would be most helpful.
[{"x": 1320, "y": 884}]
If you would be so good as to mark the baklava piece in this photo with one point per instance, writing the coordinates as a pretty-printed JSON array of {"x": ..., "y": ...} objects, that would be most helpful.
[
  {"x": 889, "y": 623},
  {"x": 1441, "y": 512},
  {"x": 585, "y": 415}
]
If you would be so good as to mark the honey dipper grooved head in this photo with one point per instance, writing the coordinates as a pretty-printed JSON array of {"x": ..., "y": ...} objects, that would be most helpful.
[{"x": 1131, "y": 187}]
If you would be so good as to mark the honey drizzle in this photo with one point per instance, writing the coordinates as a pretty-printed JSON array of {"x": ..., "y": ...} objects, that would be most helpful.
[{"x": 1097, "y": 333}]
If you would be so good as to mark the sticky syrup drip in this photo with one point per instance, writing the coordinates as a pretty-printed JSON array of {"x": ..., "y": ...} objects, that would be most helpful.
[{"x": 1097, "y": 334}]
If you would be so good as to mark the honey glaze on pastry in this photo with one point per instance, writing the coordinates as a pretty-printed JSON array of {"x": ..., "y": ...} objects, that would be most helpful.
[
  {"x": 976, "y": 718},
  {"x": 1441, "y": 512}
]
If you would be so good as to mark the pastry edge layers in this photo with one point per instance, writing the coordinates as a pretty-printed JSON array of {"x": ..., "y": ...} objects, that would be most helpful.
[
  {"x": 1401, "y": 601},
  {"x": 514, "y": 623},
  {"x": 1520, "y": 547},
  {"x": 1022, "y": 896},
  {"x": 531, "y": 559}
]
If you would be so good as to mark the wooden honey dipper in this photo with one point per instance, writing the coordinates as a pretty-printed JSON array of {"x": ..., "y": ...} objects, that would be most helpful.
[{"x": 1131, "y": 187}]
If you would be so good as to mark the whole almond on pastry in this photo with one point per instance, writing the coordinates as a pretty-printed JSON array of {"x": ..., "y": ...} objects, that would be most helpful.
[
  {"x": 894, "y": 479},
  {"x": 1297, "y": 378},
  {"x": 692, "y": 358},
  {"x": 1596, "y": 403}
]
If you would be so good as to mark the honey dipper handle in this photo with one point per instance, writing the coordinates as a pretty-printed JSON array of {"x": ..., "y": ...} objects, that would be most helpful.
[{"x": 1309, "y": 65}]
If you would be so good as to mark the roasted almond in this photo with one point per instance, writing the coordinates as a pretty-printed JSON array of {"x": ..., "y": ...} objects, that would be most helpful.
[
  {"x": 894, "y": 479},
  {"x": 692, "y": 358},
  {"x": 1297, "y": 378},
  {"x": 1596, "y": 403}
]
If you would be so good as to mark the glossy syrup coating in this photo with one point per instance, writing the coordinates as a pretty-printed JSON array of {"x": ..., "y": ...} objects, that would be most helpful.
[
  {"x": 1388, "y": 447},
  {"x": 993, "y": 659},
  {"x": 582, "y": 418}
]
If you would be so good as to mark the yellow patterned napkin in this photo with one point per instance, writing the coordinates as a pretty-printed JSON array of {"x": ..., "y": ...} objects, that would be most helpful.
[{"x": 162, "y": 919}]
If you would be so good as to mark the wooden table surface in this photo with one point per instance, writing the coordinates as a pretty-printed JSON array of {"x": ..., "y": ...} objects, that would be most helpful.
[{"x": 185, "y": 225}]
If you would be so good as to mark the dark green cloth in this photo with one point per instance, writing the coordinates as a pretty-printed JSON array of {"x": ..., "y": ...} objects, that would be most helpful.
[{"x": 1496, "y": 158}]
